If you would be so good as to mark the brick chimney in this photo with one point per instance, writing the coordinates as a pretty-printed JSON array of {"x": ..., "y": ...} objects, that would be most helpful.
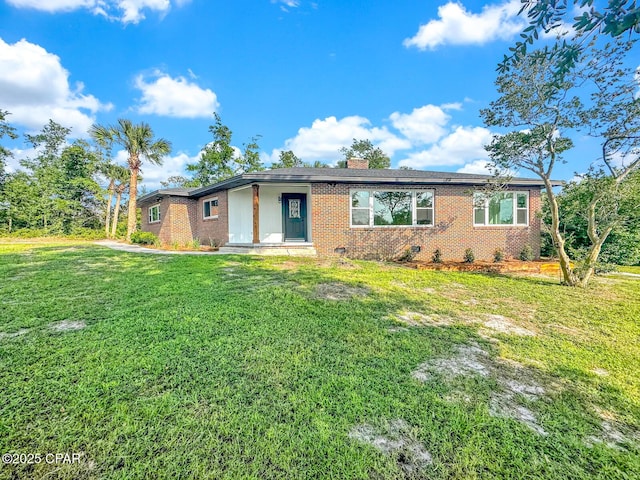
[{"x": 357, "y": 163}]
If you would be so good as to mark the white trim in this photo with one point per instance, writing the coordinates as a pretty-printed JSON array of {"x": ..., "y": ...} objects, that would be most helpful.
[
  {"x": 514, "y": 206},
  {"x": 414, "y": 207},
  {"x": 208, "y": 200},
  {"x": 157, "y": 205}
]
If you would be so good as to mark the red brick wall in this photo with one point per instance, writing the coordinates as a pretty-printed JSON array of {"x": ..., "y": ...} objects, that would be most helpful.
[
  {"x": 161, "y": 229},
  {"x": 214, "y": 229},
  {"x": 453, "y": 232},
  {"x": 177, "y": 220},
  {"x": 181, "y": 221}
]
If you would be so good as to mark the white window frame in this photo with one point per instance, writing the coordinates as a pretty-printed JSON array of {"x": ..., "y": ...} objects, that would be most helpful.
[
  {"x": 515, "y": 210},
  {"x": 414, "y": 207},
  {"x": 150, "y": 215},
  {"x": 209, "y": 200}
]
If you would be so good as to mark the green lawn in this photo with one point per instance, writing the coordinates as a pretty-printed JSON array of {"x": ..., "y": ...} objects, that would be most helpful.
[
  {"x": 238, "y": 367},
  {"x": 626, "y": 269}
]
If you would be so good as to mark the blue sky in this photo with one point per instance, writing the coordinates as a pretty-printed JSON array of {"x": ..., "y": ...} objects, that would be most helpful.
[{"x": 305, "y": 75}]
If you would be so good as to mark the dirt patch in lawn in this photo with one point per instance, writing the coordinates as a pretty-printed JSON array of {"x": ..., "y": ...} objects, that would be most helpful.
[
  {"x": 613, "y": 435},
  {"x": 19, "y": 333},
  {"x": 395, "y": 440},
  {"x": 500, "y": 324},
  {"x": 67, "y": 325},
  {"x": 516, "y": 386},
  {"x": 287, "y": 265},
  {"x": 417, "y": 319},
  {"x": 339, "y": 291},
  {"x": 468, "y": 360},
  {"x": 489, "y": 324}
]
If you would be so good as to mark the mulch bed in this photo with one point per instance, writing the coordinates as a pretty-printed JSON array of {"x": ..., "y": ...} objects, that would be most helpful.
[{"x": 538, "y": 266}]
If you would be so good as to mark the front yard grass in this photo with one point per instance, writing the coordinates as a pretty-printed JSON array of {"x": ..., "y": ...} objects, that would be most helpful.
[
  {"x": 630, "y": 269},
  {"x": 161, "y": 366}
]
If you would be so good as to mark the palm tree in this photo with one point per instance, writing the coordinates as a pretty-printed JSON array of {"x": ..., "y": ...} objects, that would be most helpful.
[
  {"x": 120, "y": 189},
  {"x": 114, "y": 173},
  {"x": 139, "y": 143}
]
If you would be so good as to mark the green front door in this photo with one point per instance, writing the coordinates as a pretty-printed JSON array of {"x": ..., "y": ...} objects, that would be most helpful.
[{"x": 294, "y": 212}]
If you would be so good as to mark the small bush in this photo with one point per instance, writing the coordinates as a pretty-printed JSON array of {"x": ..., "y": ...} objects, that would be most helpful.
[
  {"x": 121, "y": 230},
  {"x": 469, "y": 256},
  {"x": 498, "y": 256},
  {"x": 143, "y": 238},
  {"x": 82, "y": 233},
  {"x": 195, "y": 244},
  {"x": 175, "y": 245},
  {"x": 602, "y": 267},
  {"x": 437, "y": 256},
  {"x": 407, "y": 256},
  {"x": 526, "y": 255},
  {"x": 30, "y": 233}
]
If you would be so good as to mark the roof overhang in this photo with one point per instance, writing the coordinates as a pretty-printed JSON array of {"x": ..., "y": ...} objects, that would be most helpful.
[{"x": 272, "y": 176}]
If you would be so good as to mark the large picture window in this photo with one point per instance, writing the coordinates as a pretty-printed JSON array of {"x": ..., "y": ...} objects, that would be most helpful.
[
  {"x": 502, "y": 208},
  {"x": 210, "y": 208},
  {"x": 386, "y": 208},
  {"x": 154, "y": 214}
]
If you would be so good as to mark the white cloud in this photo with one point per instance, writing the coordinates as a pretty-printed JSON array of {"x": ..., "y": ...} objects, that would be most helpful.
[
  {"x": 17, "y": 154},
  {"x": 126, "y": 11},
  {"x": 324, "y": 139},
  {"x": 287, "y": 3},
  {"x": 457, "y": 26},
  {"x": 175, "y": 97},
  {"x": 152, "y": 174},
  {"x": 34, "y": 87},
  {"x": 480, "y": 167},
  {"x": 423, "y": 125},
  {"x": 463, "y": 145}
]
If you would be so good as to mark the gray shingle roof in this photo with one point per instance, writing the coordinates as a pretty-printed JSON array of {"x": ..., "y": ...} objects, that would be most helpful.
[{"x": 341, "y": 175}]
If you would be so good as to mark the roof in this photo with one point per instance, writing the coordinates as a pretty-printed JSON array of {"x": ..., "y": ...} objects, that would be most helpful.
[{"x": 342, "y": 175}]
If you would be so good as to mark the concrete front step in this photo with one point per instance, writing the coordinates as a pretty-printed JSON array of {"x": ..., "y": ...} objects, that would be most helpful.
[{"x": 285, "y": 250}]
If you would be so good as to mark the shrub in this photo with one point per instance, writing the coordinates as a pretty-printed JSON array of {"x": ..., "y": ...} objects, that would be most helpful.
[
  {"x": 195, "y": 244},
  {"x": 83, "y": 233},
  {"x": 121, "y": 230},
  {"x": 498, "y": 255},
  {"x": 407, "y": 256},
  {"x": 437, "y": 256},
  {"x": 175, "y": 245},
  {"x": 526, "y": 255},
  {"x": 143, "y": 238},
  {"x": 469, "y": 257},
  {"x": 30, "y": 233}
]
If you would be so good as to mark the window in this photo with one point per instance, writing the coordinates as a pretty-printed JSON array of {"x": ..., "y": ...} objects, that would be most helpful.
[
  {"x": 210, "y": 208},
  {"x": 360, "y": 208},
  {"x": 384, "y": 208},
  {"x": 154, "y": 214},
  {"x": 502, "y": 208}
]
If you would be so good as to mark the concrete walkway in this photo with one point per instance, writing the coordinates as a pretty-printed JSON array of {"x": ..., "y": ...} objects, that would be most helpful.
[{"x": 125, "y": 247}]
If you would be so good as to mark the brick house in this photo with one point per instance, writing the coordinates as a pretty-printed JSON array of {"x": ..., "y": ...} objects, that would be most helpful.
[{"x": 356, "y": 211}]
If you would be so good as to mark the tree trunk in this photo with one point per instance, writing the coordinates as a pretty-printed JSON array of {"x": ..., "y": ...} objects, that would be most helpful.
[
  {"x": 596, "y": 244},
  {"x": 116, "y": 213},
  {"x": 10, "y": 224},
  {"x": 568, "y": 275},
  {"x": 590, "y": 263},
  {"x": 108, "y": 216},
  {"x": 132, "y": 213}
]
